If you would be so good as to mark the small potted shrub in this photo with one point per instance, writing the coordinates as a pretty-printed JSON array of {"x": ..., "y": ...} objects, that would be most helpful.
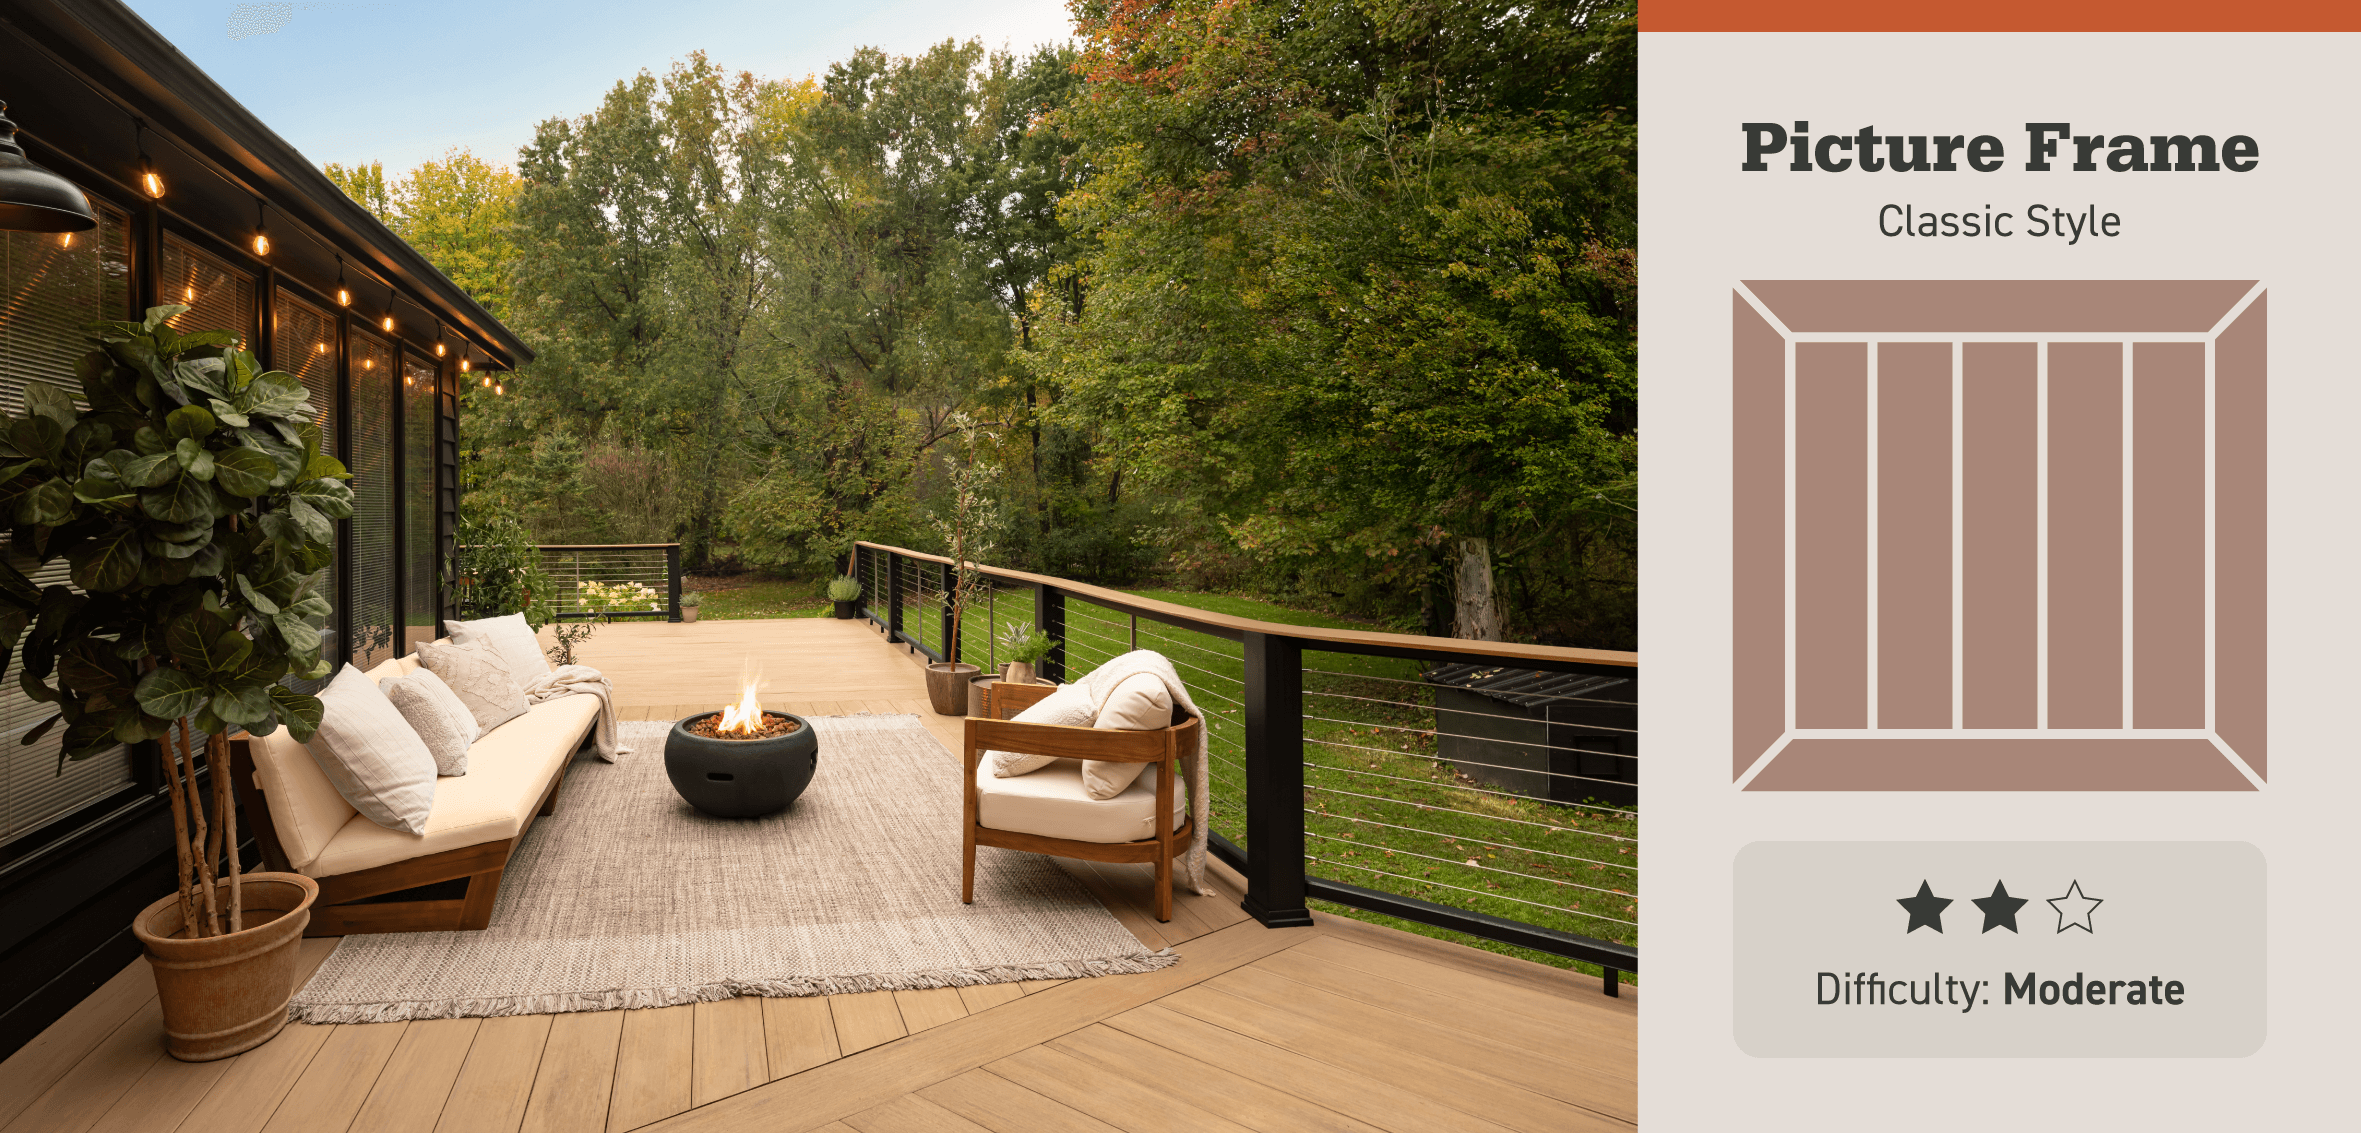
[
  {"x": 845, "y": 591},
  {"x": 1024, "y": 646},
  {"x": 688, "y": 605}
]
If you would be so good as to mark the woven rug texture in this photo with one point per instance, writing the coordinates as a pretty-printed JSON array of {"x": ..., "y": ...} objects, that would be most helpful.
[{"x": 628, "y": 897}]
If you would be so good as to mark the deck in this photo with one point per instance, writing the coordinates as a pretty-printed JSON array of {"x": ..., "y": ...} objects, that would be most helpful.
[{"x": 1341, "y": 1026}]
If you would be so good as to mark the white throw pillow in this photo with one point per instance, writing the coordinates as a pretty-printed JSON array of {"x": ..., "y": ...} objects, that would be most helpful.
[
  {"x": 437, "y": 714},
  {"x": 480, "y": 677},
  {"x": 1069, "y": 705},
  {"x": 371, "y": 755},
  {"x": 512, "y": 639},
  {"x": 1140, "y": 703}
]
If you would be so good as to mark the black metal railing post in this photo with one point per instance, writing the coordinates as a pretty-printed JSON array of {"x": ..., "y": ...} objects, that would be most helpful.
[
  {"x": 672, "y": 571},
  {"x": 950, "y": 627},
  {"x": 1274, "y": 781},
  {"x": 1049, "y": 617},
  {"x": 893, "y": 595}
]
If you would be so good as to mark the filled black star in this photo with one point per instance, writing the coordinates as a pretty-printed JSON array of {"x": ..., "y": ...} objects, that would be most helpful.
[
  {"x": 1926, "y": 909},
  {"x": 2000, "y": 909}
]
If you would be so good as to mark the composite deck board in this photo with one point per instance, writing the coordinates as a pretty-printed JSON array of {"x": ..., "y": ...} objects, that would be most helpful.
[
  {"x": 570, "y": 1090},
  {"x": 798, "y": 1034},
  {"x": 409, "y": 1093},
  {"x": 729, "y": 1053},
  {"x": 337, "y": 1080},
  {"x": 1003, "y": 1106},
  {"x": 652, "y": 1067},
  {"x": 497, "y": 1081},
  {"x": 1346, "y": 1027}
]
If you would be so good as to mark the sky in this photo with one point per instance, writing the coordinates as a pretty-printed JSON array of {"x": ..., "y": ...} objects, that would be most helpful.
[{"x": 402, "y": 83}]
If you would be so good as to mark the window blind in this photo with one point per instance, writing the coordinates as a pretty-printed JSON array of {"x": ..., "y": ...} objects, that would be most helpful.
[
  {"x": 371, "y": 369},
  {"x": 418, "y": 405},
  {"x": 303, "y": 338},
  {"x": 219, "y": 297}
]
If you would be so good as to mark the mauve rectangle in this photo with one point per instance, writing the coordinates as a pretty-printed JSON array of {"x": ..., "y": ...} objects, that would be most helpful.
[
  {"x": 1831, "y": 535},
  {"x": 2085, "y": 535},
  {"x": 2000, "y": 535},
  {"x": 1758, "y": 521},
  {"x": 1984, "y": 306},
  {"x": 2168, "y": 535},
  {"x": 2241, "y": 534},
  {"x": 1914, "y": 535}
]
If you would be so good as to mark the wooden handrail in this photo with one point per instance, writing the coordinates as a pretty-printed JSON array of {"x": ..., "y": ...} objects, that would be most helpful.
[{"x": 1503, "y": 650}]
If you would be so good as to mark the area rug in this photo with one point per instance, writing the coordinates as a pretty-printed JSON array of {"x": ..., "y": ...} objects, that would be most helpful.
[{"x": 627, "y": 897}]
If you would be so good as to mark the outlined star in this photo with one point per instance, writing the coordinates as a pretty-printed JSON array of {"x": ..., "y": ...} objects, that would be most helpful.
[
  {"x": 2000, "y": 909},
  {"x": 1926, "y": 909},
  {"x": 2074, "y": 908}
]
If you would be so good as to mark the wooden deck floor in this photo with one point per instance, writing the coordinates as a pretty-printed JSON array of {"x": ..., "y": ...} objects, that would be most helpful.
[{"x": 1341, "y": 1026}]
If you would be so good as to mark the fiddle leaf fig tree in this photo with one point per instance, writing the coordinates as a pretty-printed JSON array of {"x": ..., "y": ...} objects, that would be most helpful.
[{"x": 192, "y": 502}]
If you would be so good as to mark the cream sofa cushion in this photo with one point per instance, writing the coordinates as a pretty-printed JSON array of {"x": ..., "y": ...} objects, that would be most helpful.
[
  {"x": 508, "y": 772},
  {"x": 1139, "y": 703},
  {"x": 1053, "y": 803},
  {"x": 305, "y": 809},
  {"x": 481, "y": 678},
  {"x": 512, "y": 639},
  {"x": 372, "y": 755},
  {"x": 437, "y": 714}
]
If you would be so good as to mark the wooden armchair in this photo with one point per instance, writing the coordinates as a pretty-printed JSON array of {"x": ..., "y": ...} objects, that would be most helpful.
[{"x": 1163, "y": 747}]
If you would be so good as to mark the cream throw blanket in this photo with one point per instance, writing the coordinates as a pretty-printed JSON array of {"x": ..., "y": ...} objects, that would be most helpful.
[
  {"x": 573, "y": 680},
  {"x": 1097, "y": 686}
]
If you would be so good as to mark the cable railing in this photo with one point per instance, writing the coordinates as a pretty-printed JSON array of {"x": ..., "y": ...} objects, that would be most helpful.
[
  {"x": 655, "y": 566},
  {"x": 1487, "y": 788}
]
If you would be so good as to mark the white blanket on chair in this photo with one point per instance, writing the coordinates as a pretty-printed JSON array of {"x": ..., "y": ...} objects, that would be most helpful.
[
  {"x": 1100, "y": 684},
  {"x": 582, "y": 680}
]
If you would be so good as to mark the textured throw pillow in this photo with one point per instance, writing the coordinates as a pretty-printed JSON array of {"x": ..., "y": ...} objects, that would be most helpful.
[
  {"x": 509, "y": 637},
  {"x": 437, "y": 714},
  {"x": 371, "y": 755},
  {"x": 481, "y": 679},
  {"x": 1138, "y": 704},
  {"x": 1069, "y": 705}
]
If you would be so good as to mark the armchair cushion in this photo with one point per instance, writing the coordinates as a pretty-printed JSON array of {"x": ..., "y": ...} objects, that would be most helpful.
[
  {"x": 1068, "y": 705},
  {"x": 1053, "y": 803},
  {"x": 1140, "y": 703}
]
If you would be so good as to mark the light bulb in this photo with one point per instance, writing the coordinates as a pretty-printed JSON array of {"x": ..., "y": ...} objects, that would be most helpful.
[
  {"x": 262, "y": 244},
  {"x": 388, "y": 324},
  {"x": 65, "y": 239},
  {"x": 487, "y": 381},
  {"x": 188, "y": 294},
  {"x": 463, "y": 365},
  {"x": 499, "y": 389},
  {"x": 344, "y": 297},
  {"x": 319, "y": 348},
  {"x": 438, "y": 350},
  {"x": 149, "y": 181},
  {"x": 369, "y": 363},
  {"x": 406, "y": 380}
]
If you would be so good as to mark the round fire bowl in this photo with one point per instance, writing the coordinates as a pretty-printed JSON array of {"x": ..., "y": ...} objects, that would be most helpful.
[{"x": 741, "y": 778}]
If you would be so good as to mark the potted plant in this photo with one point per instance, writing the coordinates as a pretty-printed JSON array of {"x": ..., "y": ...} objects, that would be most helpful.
[
  {"x": 845, "y": 591},
  {"x": 688, "y": 605},
  {"x": 194, "y": 505},
  {"x": 1024, "y": 646},
  {"x": 967, "y": 532}
]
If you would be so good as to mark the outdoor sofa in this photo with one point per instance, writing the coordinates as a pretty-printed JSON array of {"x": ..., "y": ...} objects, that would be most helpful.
[{"x": 304, "y": 826}]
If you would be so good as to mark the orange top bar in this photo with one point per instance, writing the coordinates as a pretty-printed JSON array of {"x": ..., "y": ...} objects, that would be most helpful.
[{"x": 2001, "y": 15}]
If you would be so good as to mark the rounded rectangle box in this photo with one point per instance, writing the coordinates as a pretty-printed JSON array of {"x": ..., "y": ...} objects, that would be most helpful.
[{"x": 1999, "y": 949}]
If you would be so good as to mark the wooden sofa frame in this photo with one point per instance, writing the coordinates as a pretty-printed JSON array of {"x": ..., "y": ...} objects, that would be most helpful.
[
  {"x": 340, "y": 909},
  {"x": 1163, "y": 747}
]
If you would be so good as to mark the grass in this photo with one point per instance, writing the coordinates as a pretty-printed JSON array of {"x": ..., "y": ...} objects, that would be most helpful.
[
  {"x": 742, "y": 596},
  {"x": 1381, "y": 810}
]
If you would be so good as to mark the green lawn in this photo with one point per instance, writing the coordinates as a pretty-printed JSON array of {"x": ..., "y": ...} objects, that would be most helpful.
[{"x": 757, "y": 596}]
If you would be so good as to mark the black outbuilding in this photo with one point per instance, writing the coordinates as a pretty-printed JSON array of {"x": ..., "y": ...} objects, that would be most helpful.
[{"x": 1560, "y": 736}]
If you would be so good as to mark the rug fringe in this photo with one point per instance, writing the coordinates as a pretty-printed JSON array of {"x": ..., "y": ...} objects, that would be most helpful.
[{"x": 634, "y": 998}]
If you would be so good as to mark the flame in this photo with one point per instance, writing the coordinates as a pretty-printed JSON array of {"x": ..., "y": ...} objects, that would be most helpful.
[{"x": 744, "y": 717}]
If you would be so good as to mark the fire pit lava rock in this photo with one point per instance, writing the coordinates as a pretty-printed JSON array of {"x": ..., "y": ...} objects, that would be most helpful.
[{"x": 741, "y": 778}]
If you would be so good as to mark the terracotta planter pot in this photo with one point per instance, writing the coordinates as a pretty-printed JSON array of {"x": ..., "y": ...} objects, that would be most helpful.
[
  {"x": 977, "y": 689},
  {"x": 946, "y": 687},
  {"x": 688, "y": 614},
  {"x": 223, "y": 995}
]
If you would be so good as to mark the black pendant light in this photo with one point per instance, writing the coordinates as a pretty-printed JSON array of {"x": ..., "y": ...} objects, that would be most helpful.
[{"x": 33, "y": 199}]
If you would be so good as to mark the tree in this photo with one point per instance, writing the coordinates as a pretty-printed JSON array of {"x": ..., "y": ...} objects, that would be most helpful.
[
  {"x": 194, "y": 504},
  {"x": 1360, "y": 280},
  {"x": 457, "y": 213},
  {"x": 365, "y": 184}
]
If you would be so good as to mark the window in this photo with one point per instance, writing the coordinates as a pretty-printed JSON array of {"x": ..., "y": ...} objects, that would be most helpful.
[
  {"x": 374, "y": 387},
  {"x": 219, "y": 297},
  {"x": 303, "y": 342},
  {"x": 53, "y": 286},
  {"x": 418, "y": 518},
  {"x": 1999, "y": 535}
]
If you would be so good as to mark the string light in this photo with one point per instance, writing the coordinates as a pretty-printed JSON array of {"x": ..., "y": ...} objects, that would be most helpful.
[
  {"x": 150, "y": 182},
  {"x": 463, "y": 365},
  {"x": 438, "y": 338},
  {"x": 499, "y": 389},
  {"x": 388, "y": 323},
  {"x": 262, "y": 236},
  {"x": 344, "y": 295},
  {"x": 65, "y": 239}
]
